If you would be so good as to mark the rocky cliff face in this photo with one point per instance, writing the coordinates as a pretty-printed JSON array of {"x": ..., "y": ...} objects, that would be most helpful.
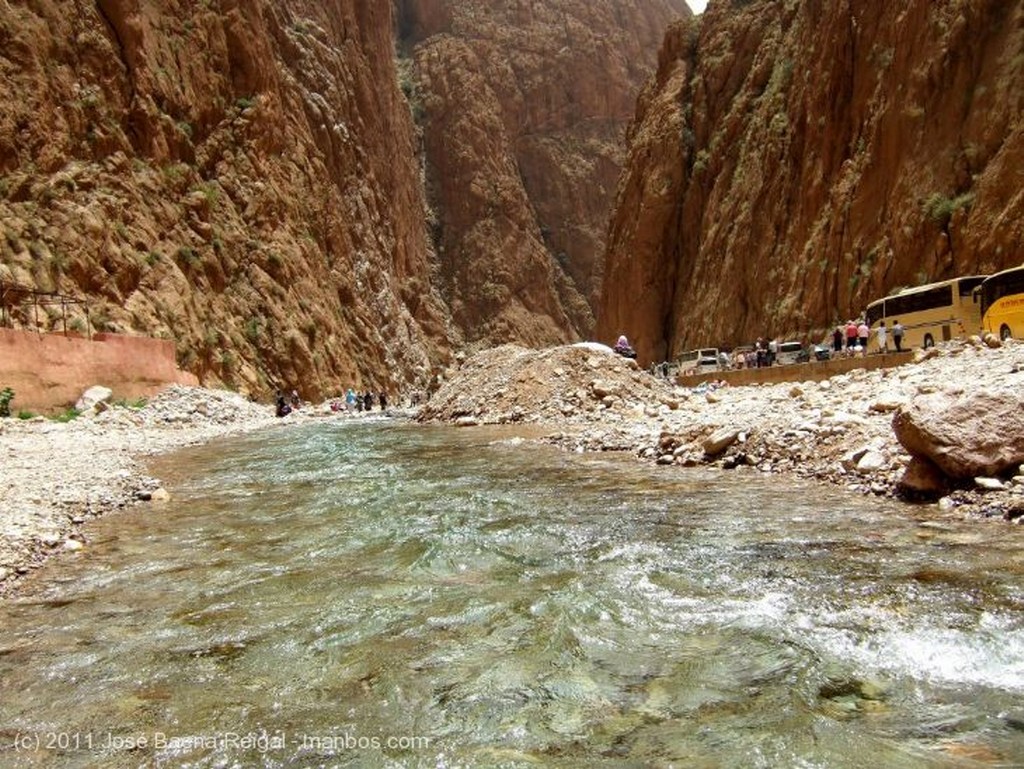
[
  {"x": 793, "y": 160},
  {"x": 237, "y": 175},
  {"x": 523, "y": 106}
]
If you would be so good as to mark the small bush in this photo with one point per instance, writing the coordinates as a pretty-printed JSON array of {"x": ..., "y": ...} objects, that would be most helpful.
[
  {"x": 6, "y": 396},
  {"x": 135, "y": 403},
  {"x": 940, "y": 208},
  {"x": 189, "y": 256},
  {"x": 25, "y": 414},
  {"x": 67, "y": 416}
]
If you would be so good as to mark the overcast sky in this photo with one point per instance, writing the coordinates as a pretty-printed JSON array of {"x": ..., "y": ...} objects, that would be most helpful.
[{"x": 697, "y": 6}]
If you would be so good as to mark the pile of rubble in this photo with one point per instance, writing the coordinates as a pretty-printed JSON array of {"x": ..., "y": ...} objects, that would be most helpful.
[
  {"x": 838, "y": 430},
  {"x": 571, "y": 384}
]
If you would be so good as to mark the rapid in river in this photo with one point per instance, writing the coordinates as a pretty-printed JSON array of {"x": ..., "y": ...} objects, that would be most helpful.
[{"x": 375, "y": 593}]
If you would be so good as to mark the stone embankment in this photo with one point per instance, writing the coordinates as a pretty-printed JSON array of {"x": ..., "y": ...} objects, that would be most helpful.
[{"x": 838, "y": 430}]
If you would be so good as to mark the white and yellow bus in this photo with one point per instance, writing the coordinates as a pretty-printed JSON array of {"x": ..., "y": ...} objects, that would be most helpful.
[
  {"x": 933, "y": 313},
  {"x": 1002, "y": 303}
]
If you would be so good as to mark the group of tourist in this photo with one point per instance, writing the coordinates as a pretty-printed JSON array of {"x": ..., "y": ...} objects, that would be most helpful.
[
  {"x": 761, "y": 355},
  {"x": 856, "y": 335},
  {"x": 360, "y": 401},
  {"x": 353, "y": 402},
  {"x": 285, "y": 406}
]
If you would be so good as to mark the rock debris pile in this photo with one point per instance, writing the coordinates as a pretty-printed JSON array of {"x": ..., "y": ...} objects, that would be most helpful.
[{"x": 837, "y": 430}]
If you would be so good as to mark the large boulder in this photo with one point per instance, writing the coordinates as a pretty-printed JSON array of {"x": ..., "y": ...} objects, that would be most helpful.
[{"x": 965, "y": 435}]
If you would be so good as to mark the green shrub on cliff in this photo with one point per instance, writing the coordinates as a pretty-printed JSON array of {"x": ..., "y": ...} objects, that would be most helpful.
[
  {"x": 6, "y": 396},
  {"x": 940, "y": 208}
]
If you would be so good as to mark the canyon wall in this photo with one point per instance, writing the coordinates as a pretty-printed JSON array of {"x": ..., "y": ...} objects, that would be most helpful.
[
  {"x": 794, "y": 159},
  {"x": 523, "y": 107},
  {"x": 238, "y": 176}
]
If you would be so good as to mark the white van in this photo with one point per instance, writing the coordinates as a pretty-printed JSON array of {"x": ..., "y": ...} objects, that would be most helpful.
[
  {"x": 790, "y": 352},
  {"x": 699, "y": 361}
]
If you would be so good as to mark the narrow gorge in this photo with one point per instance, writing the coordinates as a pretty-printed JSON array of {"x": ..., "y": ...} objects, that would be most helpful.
[{"x": 793, "y": 160}]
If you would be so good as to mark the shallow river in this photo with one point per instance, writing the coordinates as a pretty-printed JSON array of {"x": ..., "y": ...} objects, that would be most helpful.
[{"x": 381, "y": 594}]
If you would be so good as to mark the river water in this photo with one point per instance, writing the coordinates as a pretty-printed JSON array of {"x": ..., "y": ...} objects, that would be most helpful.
[{"x": 386, "y": 594}]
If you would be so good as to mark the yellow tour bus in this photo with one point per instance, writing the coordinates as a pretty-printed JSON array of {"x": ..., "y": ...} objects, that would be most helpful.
[
  {"x": 933, "y": 313},
  {"x": 1002, "y": 303}
]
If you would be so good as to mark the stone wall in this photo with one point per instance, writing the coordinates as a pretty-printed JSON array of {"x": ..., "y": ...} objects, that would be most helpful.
[
  {"x": 798, "y": 372},
  {"x": 50, "y": 371}
]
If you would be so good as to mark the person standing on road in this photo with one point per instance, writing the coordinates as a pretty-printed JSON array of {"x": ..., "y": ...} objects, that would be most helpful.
[
  {"x": 897, "y": 335},
  {"x": 883, "y": 345},
  {"x": 864, "y": 333},
  {"x": 851, "y": 336}
]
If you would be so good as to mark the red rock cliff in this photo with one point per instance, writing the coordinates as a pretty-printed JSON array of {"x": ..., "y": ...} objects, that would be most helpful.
[
  {"x": 792, "y": 161},
  {"x": 236, "y": 175},
  {"x": 523, "y": 106}
]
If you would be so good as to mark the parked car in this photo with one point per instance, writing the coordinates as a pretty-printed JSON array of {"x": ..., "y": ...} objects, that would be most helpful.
[
  {"x": 699, "y": 361},
  {"x": 791, "y": 352},
  {"x": 822, "y": 352}
]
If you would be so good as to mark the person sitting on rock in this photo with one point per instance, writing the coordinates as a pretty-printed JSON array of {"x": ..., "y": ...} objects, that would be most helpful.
[{"x": 622, "y": 347}]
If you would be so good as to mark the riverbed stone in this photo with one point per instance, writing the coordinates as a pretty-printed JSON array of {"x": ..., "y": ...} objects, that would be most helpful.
[
  {"x": 602, "y": 388},
  {"x": 92, "y": 399},
  {"x": 720, "y": 440},
  {"x": 992, "y": 341},
  {"x": 871, "y": 462},
  {"x": 978, "y": 434},
  {"x": 887, "y": 404},
  {"x": 989, "y": 484},
  {"x": 922, "y": 478}
]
